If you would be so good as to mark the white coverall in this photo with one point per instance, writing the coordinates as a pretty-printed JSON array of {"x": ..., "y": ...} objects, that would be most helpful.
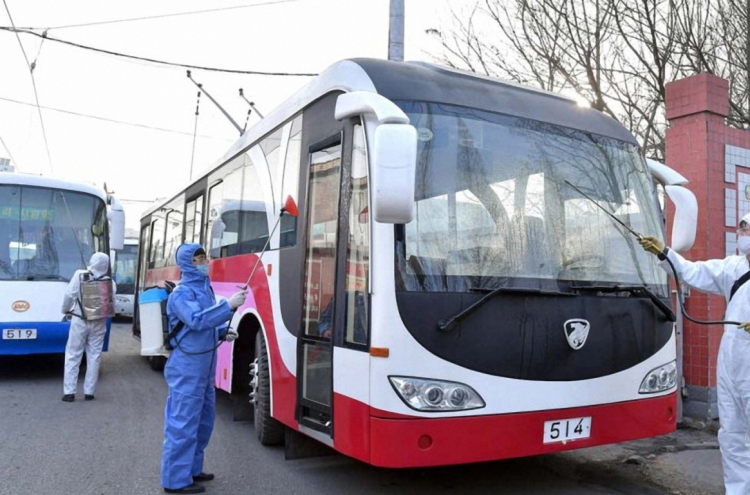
[
  {"x": 88, "y": 335},
  {"x": 733, "y": 367}
]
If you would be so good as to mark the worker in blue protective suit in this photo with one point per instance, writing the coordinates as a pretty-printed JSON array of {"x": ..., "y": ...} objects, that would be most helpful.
[
  {"x": 190, "y": 370},
  {"x": 725, "y": 277}
]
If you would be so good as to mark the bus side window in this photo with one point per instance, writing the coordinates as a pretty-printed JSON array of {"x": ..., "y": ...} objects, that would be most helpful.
[
  {"x": 174, "y": 231},
  {"x": 253, "y": 217},
  {"x": 214, "y": 226},
  {"x": 290, "y": 182},
  {"x": 358, "y": 246},
  {"x": 157, "y": 243},
  {"x": 194, "y": 220}
]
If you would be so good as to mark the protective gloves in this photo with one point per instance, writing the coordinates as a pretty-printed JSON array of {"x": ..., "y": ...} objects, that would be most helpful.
[
  {"x": 237, "y": 299},
  {"x": 231, "y": 335},
  {"x": 651, "y": 244}
]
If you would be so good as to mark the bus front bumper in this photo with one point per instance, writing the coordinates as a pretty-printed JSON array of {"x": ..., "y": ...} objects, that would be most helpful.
[
  {"x": 419, "y": 442},
  {"x": 50, "y": 338}
]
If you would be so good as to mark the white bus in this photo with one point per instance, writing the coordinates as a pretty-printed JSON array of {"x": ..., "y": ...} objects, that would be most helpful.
[
  {"x": 49, "y": 228},
  {"x": 445, "y": 295},
  {"x": 123, "y": 273}
]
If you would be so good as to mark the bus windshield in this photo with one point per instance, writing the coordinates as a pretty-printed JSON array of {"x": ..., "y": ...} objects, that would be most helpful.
[
  {"x": 493, "y": 207},
  {"x": 124, "y": 272},
  {"x": 48, "y": 234}
]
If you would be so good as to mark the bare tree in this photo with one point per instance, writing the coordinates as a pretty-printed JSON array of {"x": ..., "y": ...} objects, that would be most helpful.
[{"x": 617, "y": 54}]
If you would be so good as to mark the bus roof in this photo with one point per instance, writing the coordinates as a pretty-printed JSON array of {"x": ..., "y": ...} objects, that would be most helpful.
[
  {"x": 428, "y": 83},
  {"x": 14, "y": 178}
]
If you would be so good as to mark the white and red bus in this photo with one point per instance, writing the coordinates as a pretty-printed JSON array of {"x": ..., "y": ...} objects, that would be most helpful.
[{"x": 445, "y": 295}]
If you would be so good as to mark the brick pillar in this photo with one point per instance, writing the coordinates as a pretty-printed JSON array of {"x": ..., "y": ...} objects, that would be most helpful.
[{"x": 716, "y": 160}]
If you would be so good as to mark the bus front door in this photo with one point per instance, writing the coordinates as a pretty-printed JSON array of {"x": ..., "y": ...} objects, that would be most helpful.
[{"x": 315, "y": 350}]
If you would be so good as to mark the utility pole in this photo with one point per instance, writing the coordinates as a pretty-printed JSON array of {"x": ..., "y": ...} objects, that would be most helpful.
[{"x": 396, "y": 31}]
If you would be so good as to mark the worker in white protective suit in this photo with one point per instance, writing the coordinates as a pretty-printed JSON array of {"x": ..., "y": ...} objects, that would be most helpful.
[
  {"x": 85, "y": 335},
  {"x": 726, "y": 277}
]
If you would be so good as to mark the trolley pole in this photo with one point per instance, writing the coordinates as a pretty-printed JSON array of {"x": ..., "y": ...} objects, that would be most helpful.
[{"x": 396, "y": 31}]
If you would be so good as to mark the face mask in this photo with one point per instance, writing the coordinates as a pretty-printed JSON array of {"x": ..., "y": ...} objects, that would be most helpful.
[
  {"x": 743, "y": 244},
  {"x": 203, "y": 269}
]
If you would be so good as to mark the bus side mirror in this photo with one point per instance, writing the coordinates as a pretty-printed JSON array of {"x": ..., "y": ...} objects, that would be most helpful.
[
  {"x": 393, "y": 165},
  {"x": 392, "y": 151},
  {"x": 685, "y": 218},
  {"x": 116, "y": 217}
]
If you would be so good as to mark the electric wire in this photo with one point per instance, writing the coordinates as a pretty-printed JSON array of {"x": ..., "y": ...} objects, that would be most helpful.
[
  {"x": 114, "y": 121},
  {"x": 156, "y": 61},
  {"x": 33, "y": 83},
  {"x": 161, "y": 16}
]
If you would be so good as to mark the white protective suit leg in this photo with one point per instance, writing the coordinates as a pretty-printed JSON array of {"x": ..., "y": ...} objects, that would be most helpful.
[
  {"x": 73, "y": 353},
  {"x": 733, "y": 376},
  {"x": 94, "y": 343}
]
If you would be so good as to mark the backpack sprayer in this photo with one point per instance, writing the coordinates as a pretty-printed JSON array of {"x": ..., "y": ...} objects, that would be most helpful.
[
  {"x": 95, "y": 297},
  {"x": 674, "y": 271},
  {"x": 289, "y": 207}
]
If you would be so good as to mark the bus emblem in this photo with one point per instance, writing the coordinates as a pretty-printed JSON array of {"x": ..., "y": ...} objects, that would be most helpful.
[
  {"x": 576, "y": 331},
  {"x": 20, "y": 306}
]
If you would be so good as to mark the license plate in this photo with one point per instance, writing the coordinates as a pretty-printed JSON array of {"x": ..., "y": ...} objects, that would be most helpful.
[
  {"x": 563, "y": 430},
  {"x": 19, "y": 334}
]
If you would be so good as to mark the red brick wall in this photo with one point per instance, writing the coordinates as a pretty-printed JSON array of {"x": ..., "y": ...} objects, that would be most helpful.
[{"x": 695, "y": 141}]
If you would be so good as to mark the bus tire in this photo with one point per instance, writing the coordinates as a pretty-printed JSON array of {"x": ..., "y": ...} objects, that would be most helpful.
[
  {"x": 157, "y": 363},
  {"x": 268, "y": 430}
]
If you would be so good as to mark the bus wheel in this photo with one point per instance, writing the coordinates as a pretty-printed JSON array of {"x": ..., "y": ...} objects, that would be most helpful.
[
  {"x": 157, "y": 362},
  {"x": 268, "y": 430}
]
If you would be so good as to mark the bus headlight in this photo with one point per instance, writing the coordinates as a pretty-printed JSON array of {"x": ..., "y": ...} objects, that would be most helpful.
[
  {"x": 659, "y": 379},
  {"x": 424, "y": 394}
]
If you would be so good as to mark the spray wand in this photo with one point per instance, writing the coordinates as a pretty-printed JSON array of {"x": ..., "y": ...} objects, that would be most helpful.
[
  {"x": 289, "y": 207},
  {"x": 674, "y": 271}
]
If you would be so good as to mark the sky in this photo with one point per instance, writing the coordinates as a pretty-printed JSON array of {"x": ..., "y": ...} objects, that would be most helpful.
[{"x": 130, "y": 124}]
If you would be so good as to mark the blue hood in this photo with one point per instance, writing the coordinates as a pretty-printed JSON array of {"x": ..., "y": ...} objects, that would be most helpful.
[{"x": 184, "y": 259}]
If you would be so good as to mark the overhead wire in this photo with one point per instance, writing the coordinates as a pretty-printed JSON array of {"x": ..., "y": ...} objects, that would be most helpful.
[
  {"x": 33, "y": 83},
  {"x": 156, "y": 61},
  {"x": 161, "y": 16},
  {"x": 106, "y": 119}
]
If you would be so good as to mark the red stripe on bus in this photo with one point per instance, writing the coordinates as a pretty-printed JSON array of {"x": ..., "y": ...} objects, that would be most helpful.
[{"x": 419, "y": 442}]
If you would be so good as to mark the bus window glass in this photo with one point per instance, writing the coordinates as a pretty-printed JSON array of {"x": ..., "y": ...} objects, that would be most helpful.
[
  {"x": 252, "y": 214},
  {"x": 229, "y": 224},
  {"x": 124, "y": 272},
  {"x": 290, "y": 183},
  {"x": 358, "y": 247},
  {"x": 224, "y": 223},
  {"x": 193, "y": 220},
  {"x": 157, "y": 242},
  {"x": 214, "y": 226},
  {"x": 325, "y": 167},
  {"x": 174, "y": 230},
  {"x": 493, "y": 207},
  {"x": 271, "y": 149},
  {"x": 196, "y": 229},
  {"x": 47, "y": 234},
  {"x": 144, "y": 253}
]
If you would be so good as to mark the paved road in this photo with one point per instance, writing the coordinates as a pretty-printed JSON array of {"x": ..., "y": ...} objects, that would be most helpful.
[{"x": 113, "y": 446}]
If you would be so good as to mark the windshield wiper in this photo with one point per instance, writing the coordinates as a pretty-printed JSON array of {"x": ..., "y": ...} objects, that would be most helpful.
[
  {"x": 446, "y": 325},
  {"x": 633, "y": 289}
]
